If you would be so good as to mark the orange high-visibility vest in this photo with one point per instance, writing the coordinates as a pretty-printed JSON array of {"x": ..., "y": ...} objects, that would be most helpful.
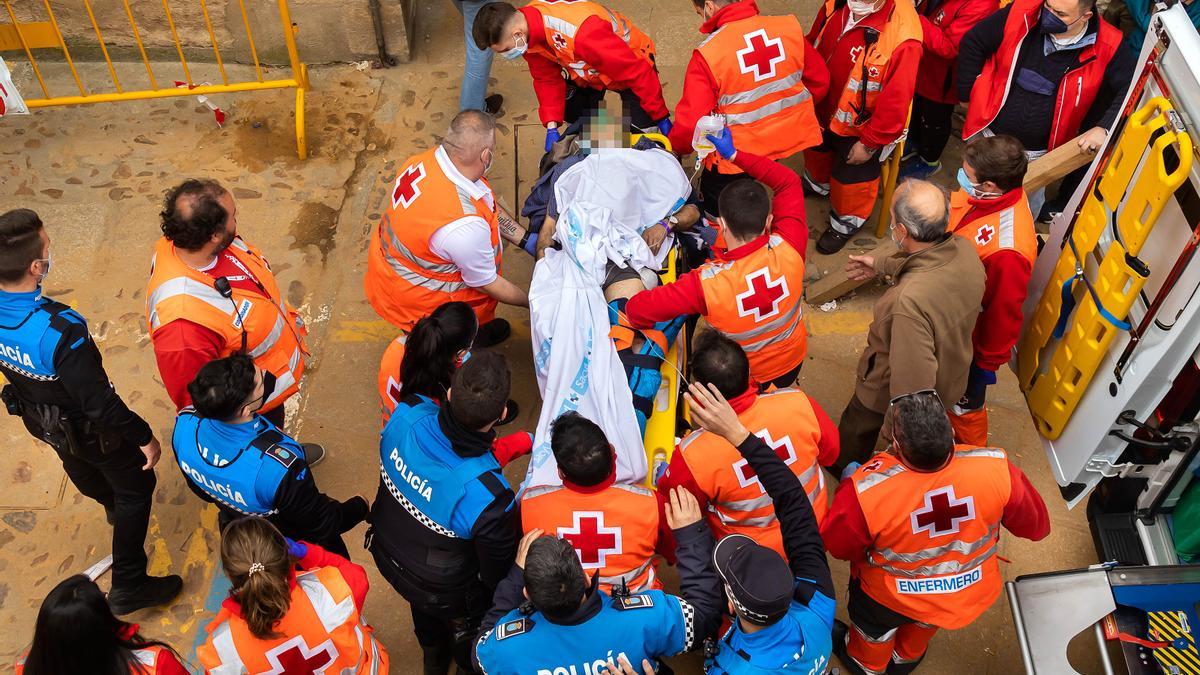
[
  {"x": 935, "y": 534},
  {"x": 755, "y": 301},
  {"x": 613, "y": 530},
  {"x": 738, "y": 503},
  {"x": 274, "y": 330},
  {"x": 901, "y": 26},
  {"x": 389, "y": 376},
  {"x": 405, "y": 279},
  {"x": 562, "y": 19},
  {"x": 322, "y": 632},
  {"x": 758, "y": 65},
  {"x": 149, "y": 661},
  {"x": 1010, "y": 228}
]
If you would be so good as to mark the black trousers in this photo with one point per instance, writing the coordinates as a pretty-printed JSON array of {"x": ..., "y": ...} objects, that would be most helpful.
[
  {"x": 711, "y": 185},
  {"x": 930, "y": 128},
  {"x": 117, "y": 481},
  {"x": 445, "y": 622},
  {"x": 582, "y": 100}
]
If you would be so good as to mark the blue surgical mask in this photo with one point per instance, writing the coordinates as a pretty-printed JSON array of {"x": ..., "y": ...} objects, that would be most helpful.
[
  {"x": 1051, "y": 24},
  {"x": 518, "y": 49},
  {"x": 973, "y": 188}
]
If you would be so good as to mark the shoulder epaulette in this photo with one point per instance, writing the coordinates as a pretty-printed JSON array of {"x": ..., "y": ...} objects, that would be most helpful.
[
  {"x": 514, "y": 627},
  {"x": 270, "y": 444},
  {"x": 640, "y": 601}
]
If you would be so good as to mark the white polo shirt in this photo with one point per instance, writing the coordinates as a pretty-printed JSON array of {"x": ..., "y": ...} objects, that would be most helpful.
[{"x": 467, "y": 242}]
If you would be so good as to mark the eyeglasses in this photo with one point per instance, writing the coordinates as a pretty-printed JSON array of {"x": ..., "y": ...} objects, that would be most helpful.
[{"x": 922, "y": 392}]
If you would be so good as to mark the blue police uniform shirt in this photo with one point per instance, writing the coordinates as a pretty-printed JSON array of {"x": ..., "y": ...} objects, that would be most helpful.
[
  {"x": 645, "y": 625},
  {"x": 800, "y": 643},
  {"x": 220, "y": 460},
  {"x": 427, "y": 477},
  {"x": 31, "y": 328}
]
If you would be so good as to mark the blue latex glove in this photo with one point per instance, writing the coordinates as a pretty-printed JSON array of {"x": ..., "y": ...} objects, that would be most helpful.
[
  {"x": 296, "y": 549},
  {"x": 980, "y": 376},
  {"x": 850, "y": 469},
  {"x": 531, "y": 243},
  {"x": 723, "y": 142},
  {"x": 665, "y": 126},
  {"x": 552, "y": 137}
]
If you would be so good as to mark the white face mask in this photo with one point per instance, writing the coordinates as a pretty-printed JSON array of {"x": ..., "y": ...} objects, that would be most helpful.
[
  {"x": 892, "y": 229},
  {"x": 518, "y": 49},
  {"x": 860, "y": 7},
  {"x": 45, "y": 269}
]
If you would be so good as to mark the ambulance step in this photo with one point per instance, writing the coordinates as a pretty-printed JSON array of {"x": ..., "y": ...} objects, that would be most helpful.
[{"x": 1116, "y": 538}]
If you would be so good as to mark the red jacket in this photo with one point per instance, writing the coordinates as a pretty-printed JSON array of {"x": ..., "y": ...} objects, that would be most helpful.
[
  {"x": 597, "y": 44},
  {"x": 679, "y": 475},
  {"x": 847, "y": 536},
  {"x": 700, "y": 88},
  {"x": 1076, "y": 92},
  {"x": 890, "y": 116},
  {"x": 999, "y": 324},
  {"x": 684, "y": 295},
  {"x": 943, "y": 25}
]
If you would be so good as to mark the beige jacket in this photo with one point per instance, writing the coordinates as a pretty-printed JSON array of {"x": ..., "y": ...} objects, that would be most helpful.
[{"x": 920, "y": 337}]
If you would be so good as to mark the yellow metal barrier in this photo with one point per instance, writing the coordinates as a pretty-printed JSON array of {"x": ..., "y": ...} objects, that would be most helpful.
[
  {"x": 1145, "y": 142},
  {"x": 28, "y": 36}
]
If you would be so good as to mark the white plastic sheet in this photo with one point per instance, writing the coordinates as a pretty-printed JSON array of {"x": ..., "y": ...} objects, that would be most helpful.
[{"x": 605, "y": 202}]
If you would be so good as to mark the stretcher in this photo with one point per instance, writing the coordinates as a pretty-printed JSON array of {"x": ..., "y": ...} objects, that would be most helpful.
[
  {"x": 661, "y": 426},
  {"x": 1084, "y": 304}
]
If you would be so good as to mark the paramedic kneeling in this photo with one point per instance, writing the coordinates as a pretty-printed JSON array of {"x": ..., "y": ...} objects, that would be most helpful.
[
  {"x": 920, "y": 525},
  {"x": 444, "y": 527}
]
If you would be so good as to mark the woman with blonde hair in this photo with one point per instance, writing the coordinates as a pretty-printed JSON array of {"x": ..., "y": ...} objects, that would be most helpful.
[{"x": 279, "y": 620}]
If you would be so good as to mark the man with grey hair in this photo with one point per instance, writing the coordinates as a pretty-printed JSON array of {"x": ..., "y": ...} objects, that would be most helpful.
[
  {"x": 920, "y": 337},
  {"x": 439, "y": 238}
]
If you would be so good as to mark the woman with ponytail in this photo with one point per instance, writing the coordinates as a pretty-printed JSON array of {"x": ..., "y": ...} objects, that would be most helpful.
[
  {"x": 77, "y": 634},
  {"x": 279, "y": 620}
]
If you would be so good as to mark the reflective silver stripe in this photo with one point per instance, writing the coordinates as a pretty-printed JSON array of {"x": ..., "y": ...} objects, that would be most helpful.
[
  {"x": 222, "y": 642},
  {"x": 981, "y": 452},
  {"x": 856, "y": 85},
  {"x": 420, "y": 280},
  {"x": 845, "y": 224},
  {"x": 630, "y": 576},
  {"x": 711, "y": 270},
  {"x": 886, "y": 637},
  {"x": 959, "y": 547},
  {"x": 778, "y": 322},
  {"x": 758, "y": 521},
  {"x": 619, "y": 27},
  {"x": 238, "y": 243},
  {"x": 948, "y": 567},
  {"x": 843, "y": 116},
  {"x": 689, "y": 439},
  {"x": 1007, "y": 236},
  {"x": 561, "y": 26},
  {"x": 767, "y": 110},
  {"x": 809, "y": 473},
  {"x": 439, "y": 268},
  {"x": 465, "y": 200},
  {"x": 635, "y": 489},
  {"x": 283, "y": 382},
  {"x": 746, "y": 504},
  {"x": 752, "y": 95},
  {"x": 757, "y": 345},
  {"x": 191, "y": 288},
  {"x": 541, "y": 490},
  {"x": 333, "y": 614},
  {"x": 269, "y": 341},
  {"x": 872, "y": 479}
]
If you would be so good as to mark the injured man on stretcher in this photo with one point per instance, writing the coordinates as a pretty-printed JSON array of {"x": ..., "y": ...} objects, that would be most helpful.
[{"x": 610, "y": 215}]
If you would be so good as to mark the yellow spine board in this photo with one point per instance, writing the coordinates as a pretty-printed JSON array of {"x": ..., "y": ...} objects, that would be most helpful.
[
  {"x": 1137, "y": 175},
  {"x": 660, "y": 427}
]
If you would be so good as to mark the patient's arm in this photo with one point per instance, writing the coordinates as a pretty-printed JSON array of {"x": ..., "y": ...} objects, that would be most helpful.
[{"x": 545, "y": 236}]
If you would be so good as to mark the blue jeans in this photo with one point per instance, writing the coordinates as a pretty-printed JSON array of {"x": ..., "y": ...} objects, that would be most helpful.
[{"x": 478, "y": 65}]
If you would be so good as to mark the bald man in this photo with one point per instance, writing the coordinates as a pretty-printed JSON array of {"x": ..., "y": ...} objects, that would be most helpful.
[
  {"x": 211, "y": 295},
  {"x": 920, "y": 337},
  {"x": 440, "y": 236}
]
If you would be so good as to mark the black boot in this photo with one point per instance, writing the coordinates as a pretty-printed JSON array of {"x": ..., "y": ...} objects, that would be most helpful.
[
  {"x": 840, "y": 633},
  {"x": 152, "y": 592},
  {"x": 907, "y": 668},
  {"x": 436, "y": 660}
]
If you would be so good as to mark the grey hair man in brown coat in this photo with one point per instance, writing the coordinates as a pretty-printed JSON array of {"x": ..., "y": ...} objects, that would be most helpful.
[{"x": 920, "y": 337}]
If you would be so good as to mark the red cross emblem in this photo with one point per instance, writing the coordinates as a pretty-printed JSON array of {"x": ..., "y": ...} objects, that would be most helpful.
[
  {"x": 854, "y": 52},
  {"x": 783, "y": 448},
  {"x": 295, "y": 658},
  {"x": 984, "y": 234},
  {"x": 559, "y": 41},
  {"x": 760, "y": 55},
  {"x": 762, "y": 295},
  {"x": 592, "y": 541},
  {"x": 393, "y": 390},
  {"x": 407, "y": 185},
  {"x": 943, "y": 512}
]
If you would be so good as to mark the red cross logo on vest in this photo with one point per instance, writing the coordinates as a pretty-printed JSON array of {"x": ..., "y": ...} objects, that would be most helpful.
[
  {"x": 406, "y": 185},
  {"x": 762, "y": 295},
  {"x": 295, "y": 658},
  {"x": 984, "y": 234},
  {"x": 592, "y": 541},
  {"x": 783, "y": 448},
  {"x": 760, "y": 55},
  {"x": 943, "y": 512},
  {"x": 559, "y": 41}
]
